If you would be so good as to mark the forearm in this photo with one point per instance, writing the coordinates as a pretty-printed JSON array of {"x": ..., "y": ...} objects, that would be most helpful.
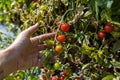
[{"x": 7, "y": 63}]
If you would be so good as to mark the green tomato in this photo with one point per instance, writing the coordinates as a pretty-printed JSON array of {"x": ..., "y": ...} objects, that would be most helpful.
[
  {"x": 50, "y": 43},
  {"x": 57, "y": 65}
]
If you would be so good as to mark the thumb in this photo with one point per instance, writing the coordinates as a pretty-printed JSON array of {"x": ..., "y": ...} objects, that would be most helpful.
[{"x": 32, "y": 29}]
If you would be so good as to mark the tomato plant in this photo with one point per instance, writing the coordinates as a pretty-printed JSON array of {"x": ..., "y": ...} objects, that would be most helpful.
[{"x": 87, "y": 36}]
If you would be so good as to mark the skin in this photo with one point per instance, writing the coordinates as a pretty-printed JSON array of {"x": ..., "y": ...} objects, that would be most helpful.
[{"x": 24, "y": 52}]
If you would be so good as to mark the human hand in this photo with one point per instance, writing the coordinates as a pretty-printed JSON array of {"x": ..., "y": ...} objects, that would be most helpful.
[{"x": 26, "y": 50}]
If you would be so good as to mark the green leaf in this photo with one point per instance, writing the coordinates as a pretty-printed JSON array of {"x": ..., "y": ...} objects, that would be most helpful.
[
  {"x": 85, "y": 66},
  {"x": 115, "y": 34},
  {"x": 108, "y": 77},
  {"x": 10, "y": 78},
  {"x": 70, "y": 57},
  {"x": 116, "y": 46},
  {"x": 116, "y": 64},
  {"x": 109, "y": 3}
]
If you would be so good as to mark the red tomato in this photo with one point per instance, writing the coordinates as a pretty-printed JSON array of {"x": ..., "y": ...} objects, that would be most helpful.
[
  {"x": 45, "y": 69},
  {"x": 108, "y": 28},
  {"x": 50, "y": 79},
  {"x": 61, "y": 78},
  {"x": 65, "y": 27},
  {"x": 61, "y": 38},
  {"x": 43, "y": 76},
  {"x": 101, "y": 34},
  {"x": 54, "y": 78},
  {"x": 64, "y": 73}
]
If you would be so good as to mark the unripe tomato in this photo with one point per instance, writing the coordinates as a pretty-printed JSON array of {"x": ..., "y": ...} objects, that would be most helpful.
[
  {"x": 65, "y": 27},
  {"x": 59, "y": 48},
  {"x": 54, "y": 78},
  {"x": 108, "y": 28},
  {"x": 50, "y": 43},
  {"x": 57, "y": 65},
  {"x": 61, "y": 38},
  {"x": 101, "y": 34}
]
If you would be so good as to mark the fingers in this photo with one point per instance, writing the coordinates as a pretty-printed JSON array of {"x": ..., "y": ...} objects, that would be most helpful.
[
  {"x": 41, "y": 58},
  {"x": 32, "y": 29},
  {"x": 44, "y": 36},
  {"x": 42, "y": 47},
  {"x": 36, "y": 60}
]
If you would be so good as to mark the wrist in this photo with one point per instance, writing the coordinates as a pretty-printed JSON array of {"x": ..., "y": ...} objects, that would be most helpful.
[{"x": 8, "y": 64}]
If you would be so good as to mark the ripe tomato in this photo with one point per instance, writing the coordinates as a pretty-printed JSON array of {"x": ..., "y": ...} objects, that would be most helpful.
[
  {"x": 43, "y": 76},
  {"x": 57, "y": 65},
  {"x": 50, "y": 79},
  {"x": 45, "y": 69},
  {"x": 65, "y": 27},
  {"x": 108, "y": 28},
  {"x": 101, "y": 34},
  {"x": 54, "y": 78},
  {"x": 61, "y": 38},
  {"x": 62, "y": 78},
  {"x": 64, "y": 73},
  {"x": 59, "y": 48}
]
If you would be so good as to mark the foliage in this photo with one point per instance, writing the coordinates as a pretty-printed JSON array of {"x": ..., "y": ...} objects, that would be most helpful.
[{"x": 85, "y": 55}]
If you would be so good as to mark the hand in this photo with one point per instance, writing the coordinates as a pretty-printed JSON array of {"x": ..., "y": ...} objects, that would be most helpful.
[{"x": 26, "y": 50}]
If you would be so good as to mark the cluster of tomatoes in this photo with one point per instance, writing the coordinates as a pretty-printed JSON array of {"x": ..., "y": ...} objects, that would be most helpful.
[
  {"x": 58, "y": 47},
  {"x": 62, "y": 75},
  {"x": 61, "y": 37},
  {"x": 108, "y": 28}
]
